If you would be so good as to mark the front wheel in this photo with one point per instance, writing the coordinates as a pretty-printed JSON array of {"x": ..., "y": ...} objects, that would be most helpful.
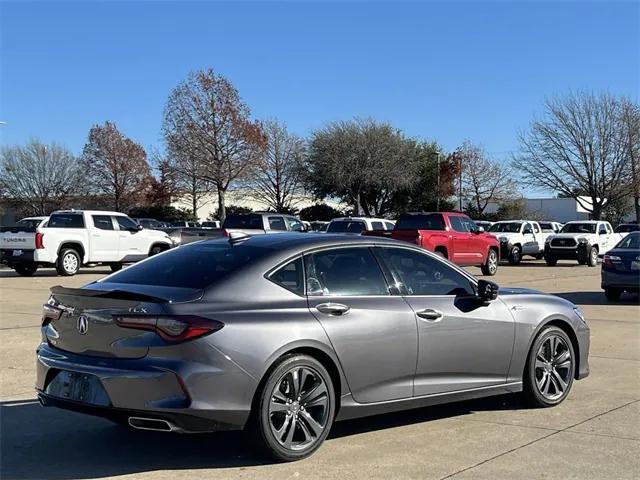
[
  {"x": 490, "y": 267},
  {"x": 26, "y": 269},
  {"x": 296, "y": 408},
  {"x": 68, "y": 263},
  {"x": 550, "y": 260},
  {"x": 592, "y": 259},
  {"x": 515, "y": 255},
  {"x": 550, "y": 368}
]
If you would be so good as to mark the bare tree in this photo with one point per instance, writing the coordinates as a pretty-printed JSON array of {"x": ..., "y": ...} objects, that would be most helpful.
[
  {"x": 277, "y": 182},
  {"x": 578, "y": 149},
  {"x": 189, "y": 183},
  {"x": 206, "y": 120},
  {"x": 630, "y": 120},
  {"x": 116, "y": 167},
  {"x": 483, "y": 180},
  {"x": 38, "y": 176}
]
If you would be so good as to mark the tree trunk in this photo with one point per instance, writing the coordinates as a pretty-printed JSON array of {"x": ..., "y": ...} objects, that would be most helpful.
[
  {"x": 596, "y": 209},
  {"x": 636, "y": 201},
  {"x": 194, "y": 205},
  {"x": 358, "y": 205},
  {"x": 222, "y": 210}
]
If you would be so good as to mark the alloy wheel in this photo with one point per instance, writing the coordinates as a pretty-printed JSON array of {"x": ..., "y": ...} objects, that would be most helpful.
[
  {"x": 299, "y": 408},
  {"x": 554, "y": 367},
  {"x": 70, "y": 263},
  {"x": 493, "y": 261}
]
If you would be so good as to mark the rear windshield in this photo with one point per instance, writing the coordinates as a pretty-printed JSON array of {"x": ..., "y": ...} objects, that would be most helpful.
[
  {"x": 66, "y": 220},
  {"x": 192, "y": 266},
  {"x": 346, "y": 226},
  {"x": 628, "y": 227},
  {"x": 430, "y": 221},
  {"x": 631, "y": 242},
  {"x": 511, "y": 227},
  {"x": 243, "y": 221},
  {"x": 579, "y": 228},
  {"x": 546, "y": 227}
]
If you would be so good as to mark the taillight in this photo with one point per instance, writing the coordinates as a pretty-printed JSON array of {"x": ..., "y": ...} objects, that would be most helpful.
[
  {"x": 175, "y": 328},
  {"x": 39, "y": 241},
  {"x": 611, "y": 260}
]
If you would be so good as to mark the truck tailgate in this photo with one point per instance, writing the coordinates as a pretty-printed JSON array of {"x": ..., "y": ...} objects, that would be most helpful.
[{"x": 15, "y": 238}]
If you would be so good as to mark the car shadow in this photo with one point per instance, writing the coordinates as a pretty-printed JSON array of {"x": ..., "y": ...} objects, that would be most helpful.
[
  {"x": 541, "y": 263},
  {"x": 56, "y": 444},
  {"x": 598, "y": 298},
  {"x": 8, "y": 273}
]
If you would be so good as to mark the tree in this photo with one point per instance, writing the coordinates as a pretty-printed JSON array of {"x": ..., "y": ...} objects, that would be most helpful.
[
  {"x": 187, "y": 181},
  {"x": 40, "y": 177},
  {"x": 164, "y": 186},
  {"x": 116, "y": 167},
  {"x": 231, "y": 210},
  {"x": 206, "y": 121},
  {"x": 510, "y": 209},
  {"x": 631, "y": 134},
  {"x": 579, "y": 145},
  {"x": 483, "y": 180},
  {"x": 361, "y": 161},
  {"x": 319, "y": 211},
  {"x": 277, "y": 182}
]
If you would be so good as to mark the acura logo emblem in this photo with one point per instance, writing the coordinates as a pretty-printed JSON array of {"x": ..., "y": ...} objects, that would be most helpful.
[{"x": 83, "y": 324}]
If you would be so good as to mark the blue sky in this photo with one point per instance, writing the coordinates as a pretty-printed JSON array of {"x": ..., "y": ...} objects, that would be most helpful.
[{"x": 447, "y": 71}]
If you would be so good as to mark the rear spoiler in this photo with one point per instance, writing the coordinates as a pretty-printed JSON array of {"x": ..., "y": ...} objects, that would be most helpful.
[{"x": 116, "y": 294}]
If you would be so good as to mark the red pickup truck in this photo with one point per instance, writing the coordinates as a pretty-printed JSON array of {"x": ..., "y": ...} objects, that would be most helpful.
[{"x": 451, "y": 235}]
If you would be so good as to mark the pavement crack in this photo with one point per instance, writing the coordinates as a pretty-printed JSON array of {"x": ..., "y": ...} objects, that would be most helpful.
[{"x": 515, "y": 449}]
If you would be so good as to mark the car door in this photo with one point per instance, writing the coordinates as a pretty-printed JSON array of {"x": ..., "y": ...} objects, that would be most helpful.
[
  {"x": 373, "y": 332},
  {"x": 132, "y": 244},
  {"x": 460, "y": 238},
  {"x": 476, "y": 243},
  {"x": 529, "y": 242},
  {"x": 104, "y": 239},
  {"x": 463, "y": 343}
]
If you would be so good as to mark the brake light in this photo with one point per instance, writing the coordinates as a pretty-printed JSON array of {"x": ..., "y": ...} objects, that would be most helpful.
[
  {"x": 611, "y": 260},
  {"x": 39, "y": 241},
  {"x": 176, "y": 328}
]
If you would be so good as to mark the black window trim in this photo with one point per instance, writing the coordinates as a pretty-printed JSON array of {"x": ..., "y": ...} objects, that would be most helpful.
[
  {"x": 283, "y": 264},
  {"x": 114, "y": 224}
]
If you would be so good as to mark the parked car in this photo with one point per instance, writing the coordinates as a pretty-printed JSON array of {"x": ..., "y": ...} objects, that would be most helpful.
[
  {"x": 583, "y": 241},
  {"x": 627, "y": 228},
  {"x": 150, "y": 223},
  {"x": 357, "y": 225},
  {"x": 183, "y": 224},
  {"x": 338, "y": 327},
  {"x": 484, "y": 224},
  {"x": 621, "y": 267},
  {"x": 518, "y": 238},
  {"x": 319, "y": 226},
  {"x": 453, "y": 236},
  {"x": 211, "y": 224},
  {"x": 74, "y": 238}
]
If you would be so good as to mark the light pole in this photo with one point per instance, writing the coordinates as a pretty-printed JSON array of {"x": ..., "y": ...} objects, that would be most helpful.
[{"x": 438, "y": 177}]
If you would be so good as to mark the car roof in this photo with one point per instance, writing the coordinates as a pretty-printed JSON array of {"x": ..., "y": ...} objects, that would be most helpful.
[
  {"x": 346, "y": 219},
  {"x": 33, "y": 218},
  {"x": 91, "y": 212}
]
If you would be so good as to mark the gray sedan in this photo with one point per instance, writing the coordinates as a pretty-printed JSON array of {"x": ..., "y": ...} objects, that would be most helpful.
[{"x": 285, "y": 334}]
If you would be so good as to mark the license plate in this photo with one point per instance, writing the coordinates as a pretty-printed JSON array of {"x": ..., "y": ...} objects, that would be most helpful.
[
  {"x": 17, "y": 253},
  {"x": 78, "y": 387}
]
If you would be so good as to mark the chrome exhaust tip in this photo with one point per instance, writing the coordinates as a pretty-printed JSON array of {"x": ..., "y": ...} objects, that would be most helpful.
[{"x": 154, "y": 424}]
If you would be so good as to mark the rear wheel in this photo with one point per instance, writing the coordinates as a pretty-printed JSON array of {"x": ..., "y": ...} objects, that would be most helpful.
[
  {"x": 296, "y": 408},
  {"x": 612, "y": 293},
  {"x": 550, "y": 368},
  {"x": 26, "y": 269},
  {"x": 490, "y": 267},
  {"x": 68, "y": 263},
  {"x": 115, "y": 267},
  {"x": 515, "y": 255}
]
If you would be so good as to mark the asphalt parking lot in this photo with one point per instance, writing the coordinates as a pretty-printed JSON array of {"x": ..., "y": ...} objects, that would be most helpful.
[{"x": 594, "y": 434}]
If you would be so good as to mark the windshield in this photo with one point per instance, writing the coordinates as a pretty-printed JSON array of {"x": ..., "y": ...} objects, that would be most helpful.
[
  {"x": 510, "y": 227},
  {"x": 250, "y": 221},
  {"x": 546, "y": 227},
  {"x": 630, "y": 242},
  {"x": 193, "y": 266},
  {"x": 430, "y": 221},
  {"x": 579, "y": 228},
  {"x": 346, "y": 226},
  {"x": 627, "y": 227}
]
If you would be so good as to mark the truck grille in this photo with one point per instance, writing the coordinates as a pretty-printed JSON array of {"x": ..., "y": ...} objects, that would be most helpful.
[{"x": 563, "y": 242}]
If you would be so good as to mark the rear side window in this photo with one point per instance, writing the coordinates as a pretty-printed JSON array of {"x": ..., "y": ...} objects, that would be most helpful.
[
  {"x": 344, "y": 272},
  {"x": 389, "y": 225},
  {"x": 277, "y": 223},
  {"x": 377, "y": 225},
  {"x": 103, "y": 222},
  {"x": 430, "y": 221},
  {"x": 290, "y": 276},
  {"x": 193, "y": 266},
  {"x": 66, "y": 220},
  {"x": 243, "y": 221}
]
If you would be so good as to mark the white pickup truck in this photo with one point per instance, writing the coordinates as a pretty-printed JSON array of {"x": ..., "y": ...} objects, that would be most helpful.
[
  {"x": 73, "y": 238},
  {"x": 518, "y": 238},
  {"x": 583, "y": 241}
]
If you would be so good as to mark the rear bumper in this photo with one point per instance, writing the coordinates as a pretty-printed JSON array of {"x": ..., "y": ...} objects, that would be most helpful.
[
  {"x": 195, "y": 397},
  {"x": 7, "y": 257},
  {"x": 629, "y": 280}
]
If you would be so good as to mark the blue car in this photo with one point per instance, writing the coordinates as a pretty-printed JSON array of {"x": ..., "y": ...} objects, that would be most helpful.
[{"x": 621, "y": 267}]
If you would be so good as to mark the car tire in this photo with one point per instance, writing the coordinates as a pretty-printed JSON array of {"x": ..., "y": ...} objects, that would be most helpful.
[
  {"x": 592, "y": 258},
  {"x": 287, "y": 427},
  {"x": 550, "y": 260},
  {"x": 115, "y": 267},
  {"x": 612, "y": 294},
  {"x": 440, "y": 253},
  {"x": 515, "y": 255},
  {"x": 155, "y": 250},
  {"x": 550, "y": 368},
  {"x": 490, "y": 267},
  {"x": 68, "y": 263},
  {"x": 539, "y": 256},
  {"x": 25, "y": 269}
]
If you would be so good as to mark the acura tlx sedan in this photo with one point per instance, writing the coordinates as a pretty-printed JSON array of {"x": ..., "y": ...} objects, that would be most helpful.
[{"x": 285, "y": 334}]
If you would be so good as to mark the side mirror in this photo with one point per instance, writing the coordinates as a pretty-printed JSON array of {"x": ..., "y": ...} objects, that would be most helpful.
[
  {"x": 480, "y": 230},
  {"x": 487, "y": 290}
]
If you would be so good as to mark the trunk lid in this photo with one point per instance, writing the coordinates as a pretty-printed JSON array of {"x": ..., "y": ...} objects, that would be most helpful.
[
  {"x": 21, "y": 238},
  {"x": 83, "y": 320}
]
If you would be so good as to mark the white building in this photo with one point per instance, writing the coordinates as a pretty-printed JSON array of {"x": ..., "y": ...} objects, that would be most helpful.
[{"x": 554, "y": 209}]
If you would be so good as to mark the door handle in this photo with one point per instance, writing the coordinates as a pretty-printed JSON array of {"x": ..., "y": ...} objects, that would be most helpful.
[
  {"x": 332, "y": 308},
  {"x": 430, "y": 315}
]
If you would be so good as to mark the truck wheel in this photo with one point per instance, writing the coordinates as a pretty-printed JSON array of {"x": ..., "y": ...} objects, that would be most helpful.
[
  {"x": 491, "y": 265},
  {"x": 515, "y": 255},
  {"x": 115, "y": 267},
  {"x": 612, "y": 294},
  {"x": 26, "y": 269},
  {"x": 592, "y": 259},
  {"x": 156, "y": 249},
  {"x": 551, "y": 260},
  {"x": 68, "y": 263}
]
